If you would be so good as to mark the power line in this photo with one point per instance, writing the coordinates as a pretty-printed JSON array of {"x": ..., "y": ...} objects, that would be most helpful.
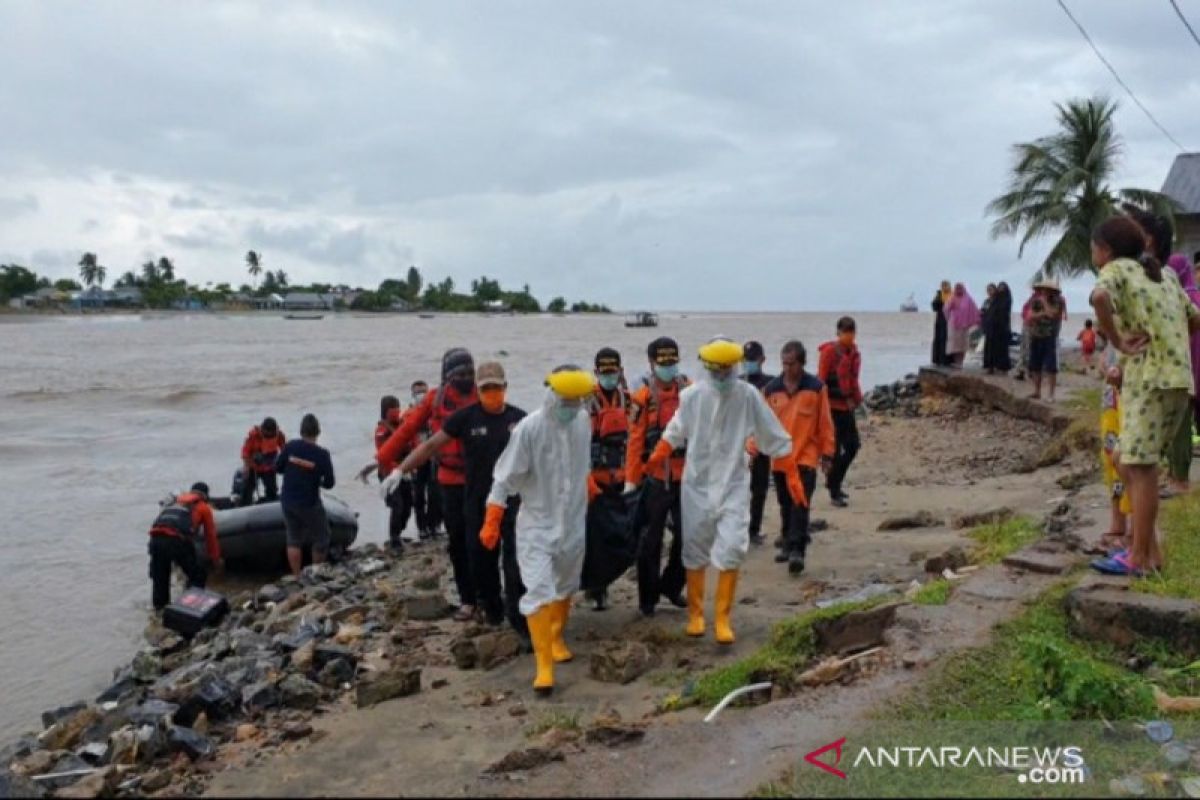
[
  {"x": 1184, "y": 20},
  {"x": 1111, "y": 69}
]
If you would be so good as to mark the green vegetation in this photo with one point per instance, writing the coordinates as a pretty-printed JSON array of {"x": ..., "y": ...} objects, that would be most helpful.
[
  {"x": 934, "y": 593},
  {"x": 553, "y": 720},
  {"x": 1061, "y": 184},
  {"x": 791, "y": 648},
  {"x": 162, "y": 287},
  {"x": 994, "y": 542},
  {"x": 1180, "y": 576}
]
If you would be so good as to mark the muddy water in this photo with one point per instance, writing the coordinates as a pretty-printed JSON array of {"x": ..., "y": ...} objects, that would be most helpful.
[{"x": 101, "y": 416}]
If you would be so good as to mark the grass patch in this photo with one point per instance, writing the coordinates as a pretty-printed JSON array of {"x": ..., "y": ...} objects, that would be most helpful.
[
  {"x": 792, "y": 646},
  {"x": 668, "y": 677},
  {"x": 994, "y": 542},
  {"x": 934, "y": 593},
  {"x": 1033, "y": 670},
  {"x": 554, "y": 720},
  {"x": 1180, "y": 576}
]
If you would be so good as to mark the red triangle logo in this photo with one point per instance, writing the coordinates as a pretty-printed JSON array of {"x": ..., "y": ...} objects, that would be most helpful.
[{"x": 836, "y": 747}]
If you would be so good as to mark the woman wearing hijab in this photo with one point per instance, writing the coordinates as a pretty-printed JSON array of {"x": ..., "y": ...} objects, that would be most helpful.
[
  {"x": 939, "y": 357},
  {"x": 961, "y": 316},
  {"x": 997, "y": 329}
]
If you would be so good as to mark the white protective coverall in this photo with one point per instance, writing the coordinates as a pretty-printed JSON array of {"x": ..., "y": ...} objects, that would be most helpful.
[
  {"x": 715, "y": 495},
  {"x": 547, "y": 463}
]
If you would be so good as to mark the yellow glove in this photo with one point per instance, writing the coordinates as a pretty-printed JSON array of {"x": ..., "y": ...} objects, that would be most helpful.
[
  {"x": 661, "y": 452},
  {"x": 489, "y": 535}
]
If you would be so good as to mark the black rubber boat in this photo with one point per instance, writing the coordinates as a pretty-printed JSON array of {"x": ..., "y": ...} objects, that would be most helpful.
[{"x": 255, "y": 536}]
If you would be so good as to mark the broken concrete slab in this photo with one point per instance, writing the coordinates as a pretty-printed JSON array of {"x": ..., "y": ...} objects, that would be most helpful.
[
  {"x": 977, "y": 518},
  {"x": 621, "y": 662},
  {"x": 858, "y": 630},
  {"x": 920, "y": 519},
  {"x": 1123, "y": 617},
  {"x": 998, "y": 586},
  {"x": 1045, "y": 563}
]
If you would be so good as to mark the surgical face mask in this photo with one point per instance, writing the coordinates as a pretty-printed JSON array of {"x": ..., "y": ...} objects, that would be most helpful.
[
  {"x": 566, "y": 413},
  {"x": 492, "y": 399},
  {"x": 723, "y": 379},
  {"x": 608, "y": 380},
  {"x": 751, "y": 368},
  {"x": 418, "y": 397},
  {"x": 666, "y": 373}
]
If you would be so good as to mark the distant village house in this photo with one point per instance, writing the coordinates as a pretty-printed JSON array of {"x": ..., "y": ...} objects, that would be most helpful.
[{"x": 1183, "y": 186}]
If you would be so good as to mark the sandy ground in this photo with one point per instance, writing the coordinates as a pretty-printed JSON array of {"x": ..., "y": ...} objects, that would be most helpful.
[{"x": 955, "y": 460}]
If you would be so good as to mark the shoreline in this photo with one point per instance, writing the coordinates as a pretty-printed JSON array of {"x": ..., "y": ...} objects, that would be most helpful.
[{"x": 394, "y": 642}]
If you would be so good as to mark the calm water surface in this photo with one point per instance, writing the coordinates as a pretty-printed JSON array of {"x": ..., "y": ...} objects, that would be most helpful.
[{"x": 101, "y": 416}]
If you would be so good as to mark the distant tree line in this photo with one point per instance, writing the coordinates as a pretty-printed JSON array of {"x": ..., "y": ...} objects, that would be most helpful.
[{"x": 162, "y": 287}]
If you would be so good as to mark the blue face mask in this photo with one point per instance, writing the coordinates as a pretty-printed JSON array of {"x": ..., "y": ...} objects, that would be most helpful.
[
  {"x": 565, "y": 414},
  {"x": 751, "y": 368},
  {"x": 666, "y": 374},
  {"x": 609, "y": 381}
]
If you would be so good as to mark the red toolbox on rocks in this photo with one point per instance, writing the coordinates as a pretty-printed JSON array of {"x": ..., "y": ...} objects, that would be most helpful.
[{"x": 194, "y": 610}]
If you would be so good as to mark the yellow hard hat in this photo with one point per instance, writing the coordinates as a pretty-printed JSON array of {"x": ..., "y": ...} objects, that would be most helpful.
[
  {"x": 571, "y": 383},
  {"x": 721, "y": 352}
]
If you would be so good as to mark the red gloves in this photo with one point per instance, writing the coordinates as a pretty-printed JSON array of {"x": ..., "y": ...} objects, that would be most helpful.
[
  {"x": 489, "y": 534},
  {"x": 593, "y": 488},
  {"x": 662, "y": 451}
]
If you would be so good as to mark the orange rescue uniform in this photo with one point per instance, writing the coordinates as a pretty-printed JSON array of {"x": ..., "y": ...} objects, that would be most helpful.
[
  {"x": 261, "y": 451},
  {"x": 807, "y": 417},
  {"x": 202, "y": 517},
  {"x": 650, "y": 409}
]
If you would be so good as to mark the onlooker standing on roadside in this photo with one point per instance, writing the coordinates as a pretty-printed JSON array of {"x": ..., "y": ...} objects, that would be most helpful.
[
  {"x": 1155, "y": 317},
  {"x": 1045, "y": 321},
  {"x": 962, "y": 315},
  {"x": 306, "y": 468},
  {"x": 838, "y": 368}
]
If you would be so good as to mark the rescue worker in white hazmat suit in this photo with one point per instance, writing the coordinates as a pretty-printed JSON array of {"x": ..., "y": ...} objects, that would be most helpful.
[
  {"x": 548, "y": 462},
  {"x": 715, "y": 418}
]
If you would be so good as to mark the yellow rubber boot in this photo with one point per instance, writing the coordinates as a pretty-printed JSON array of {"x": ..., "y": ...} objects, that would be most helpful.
[
  {"x": 695, "y": 601},
  {"x": 726, "y": 586},
  {"x": 542, "y": 634},
  {"x": 558, "y": 647}
]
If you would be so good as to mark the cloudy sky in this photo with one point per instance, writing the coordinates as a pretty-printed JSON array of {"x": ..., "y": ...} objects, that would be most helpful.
[{"x": 690, "y": 155}]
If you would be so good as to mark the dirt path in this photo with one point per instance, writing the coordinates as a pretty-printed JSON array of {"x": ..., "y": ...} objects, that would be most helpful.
[{"x": 439, "y": 742}]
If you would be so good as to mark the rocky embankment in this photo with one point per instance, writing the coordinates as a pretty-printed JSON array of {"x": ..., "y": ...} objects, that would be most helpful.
[{"x": 357, "y": 632}]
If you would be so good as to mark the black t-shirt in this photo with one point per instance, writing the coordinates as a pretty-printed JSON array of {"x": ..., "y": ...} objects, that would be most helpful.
[{"x": 484, "y": 437}]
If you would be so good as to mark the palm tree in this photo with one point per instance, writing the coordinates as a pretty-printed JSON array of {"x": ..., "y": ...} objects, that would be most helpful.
[
  {"x": 166, "y": 269},
  {"x": 1060, "y": 185},
  {"x": 281, "y": 278},
  {"x": 88, "y": 269},
  {"x": 128, "y": 279},
  {"x": 150, "y": 273},
  {"x": 253, "y": 264},
  {"x": 101, "y": 274}
]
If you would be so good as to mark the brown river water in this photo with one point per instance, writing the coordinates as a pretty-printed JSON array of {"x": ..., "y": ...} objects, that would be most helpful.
[{"x": 102, "y": 415}]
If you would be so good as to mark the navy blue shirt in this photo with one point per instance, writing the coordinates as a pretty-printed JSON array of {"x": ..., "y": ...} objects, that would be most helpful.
[{"x": 305, "y": 467}]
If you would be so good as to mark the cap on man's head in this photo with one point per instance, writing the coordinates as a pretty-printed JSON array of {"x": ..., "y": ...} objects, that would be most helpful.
[
  {"x": 200, "y": 487},
  {"x": 490, "y": 373},
  {"x": 608, "y": 360},
  {"x": 663, "y": 350},
  {"x": 457, "y": 363},
  {"x": 753, "y": 351}
]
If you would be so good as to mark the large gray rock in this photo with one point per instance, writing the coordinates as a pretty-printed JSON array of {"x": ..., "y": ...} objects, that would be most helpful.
[
  {"x": 1123, "y": 618},
  {"x": 621, "y": 662},
  {"x": 300, "y": 692},
  {"x": 399, "y": 681},
  {"x": 147, "y": 666},
  {"x": 858, "y": 630},
  {"x": 486, "y": 650},
  {"x": 336, "y": 672},
  {"x": 261, "y": 696},
  {"x": 54, "y": 715},
  {"x": 426, "y": 606},
  {"x": 12, "y": 785},
  {"x": 65, "y": 733}
]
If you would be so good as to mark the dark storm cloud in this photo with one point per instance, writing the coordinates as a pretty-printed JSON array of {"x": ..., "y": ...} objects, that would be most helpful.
[{"x": 670, "y": 154}]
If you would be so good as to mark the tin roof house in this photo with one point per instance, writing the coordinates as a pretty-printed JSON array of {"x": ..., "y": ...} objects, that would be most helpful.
[{"x": 1183, "y": 186}]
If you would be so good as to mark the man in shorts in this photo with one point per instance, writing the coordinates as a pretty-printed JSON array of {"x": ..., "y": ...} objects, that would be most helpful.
[{"x": 306, "y": 468}]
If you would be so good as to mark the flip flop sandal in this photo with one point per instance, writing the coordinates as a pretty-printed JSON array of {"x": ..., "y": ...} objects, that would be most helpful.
[{"x": 1118, "y": 564}]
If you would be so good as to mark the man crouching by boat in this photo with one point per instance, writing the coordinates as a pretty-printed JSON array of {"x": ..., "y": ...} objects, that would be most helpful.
[{"x": 172, "y": 542}]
